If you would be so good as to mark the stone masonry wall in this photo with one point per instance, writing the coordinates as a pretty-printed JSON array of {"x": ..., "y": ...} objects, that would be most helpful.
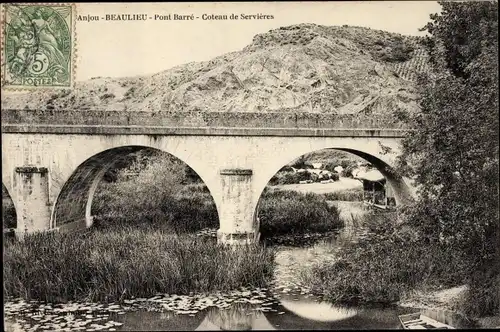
[{"x": 199, "y": 119}]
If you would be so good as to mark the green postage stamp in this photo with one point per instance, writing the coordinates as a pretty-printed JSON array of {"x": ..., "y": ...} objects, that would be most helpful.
[{"x": 38, "y": 46}]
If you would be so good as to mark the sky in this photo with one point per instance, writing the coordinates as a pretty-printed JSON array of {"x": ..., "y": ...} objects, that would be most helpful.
[{"x": 129, "y": 48}]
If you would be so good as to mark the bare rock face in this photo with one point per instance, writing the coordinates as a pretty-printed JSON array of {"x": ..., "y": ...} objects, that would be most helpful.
[{"x": 306, "y": 67}]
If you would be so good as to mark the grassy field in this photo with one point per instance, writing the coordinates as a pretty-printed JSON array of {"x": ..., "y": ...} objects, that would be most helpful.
[{"x": 343, "y": 185}]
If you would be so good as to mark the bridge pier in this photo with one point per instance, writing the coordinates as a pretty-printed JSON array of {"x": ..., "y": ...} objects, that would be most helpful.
[
  {"x": 238, "y": 223},
  {"x": 32, "y": 193}
]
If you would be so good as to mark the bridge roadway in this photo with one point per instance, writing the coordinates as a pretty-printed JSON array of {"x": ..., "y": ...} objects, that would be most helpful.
[{"x": 52, "y": 160}]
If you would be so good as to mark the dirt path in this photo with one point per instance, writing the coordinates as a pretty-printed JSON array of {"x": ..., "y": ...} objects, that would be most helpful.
[{"x": 445, "y": 299}]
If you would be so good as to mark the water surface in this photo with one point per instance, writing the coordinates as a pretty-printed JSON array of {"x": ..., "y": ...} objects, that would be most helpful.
[
  {"x": 261, "y": 310},
  {"x": 285, "y": 304}
]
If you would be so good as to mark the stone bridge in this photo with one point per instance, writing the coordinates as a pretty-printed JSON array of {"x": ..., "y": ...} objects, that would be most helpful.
[{"x": 53, "y": 160}]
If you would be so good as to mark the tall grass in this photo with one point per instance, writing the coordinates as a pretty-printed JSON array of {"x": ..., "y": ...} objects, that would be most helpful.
[
  {"x": 355, "y": 194},
  {"x": 127, "y": 262},
  {"x": 385, "y": 264},
  {"x": 186, "y": 212},
  {"x": 291, "y": 212}
]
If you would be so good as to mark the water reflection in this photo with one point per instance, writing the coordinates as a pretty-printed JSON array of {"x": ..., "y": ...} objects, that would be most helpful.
[
  {"x": 157, "y": 321},
  {"x": 317, "y": 311},
  {"x": 237, "y": 317},
  {"x": 310, "y": 313},
  {"x": 290, "y": 312}
]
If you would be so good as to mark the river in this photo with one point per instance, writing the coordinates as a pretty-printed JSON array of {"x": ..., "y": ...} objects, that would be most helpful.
[{"x": 284, "y": 304}]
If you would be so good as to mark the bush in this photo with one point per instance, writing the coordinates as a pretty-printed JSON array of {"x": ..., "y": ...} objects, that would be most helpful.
[
  {"x": 290, "y": 212},
  {"x": 289, "y": 178},
  {"x": 335, "y": 176},
  {"x": 107, "y": 96},
  {"x": 195, "y": 188},
  {"x": 343, "y": 162},
  {"x": 347, "y": 172},
  {"x": 301, "y": 162},
  {"x": 193, "y": 212},
  {"x": 483, "y": 295},
  {"x": 395, "y": 50},
  {"x": 190, "y": 210},
  {"x": 286, "y": 168},
  {"x": 9, "y": 217},
  {"x": 192, "y": 176},
  {"x": 115, "y": 265},
  {"x": 331, "y": 166},
  {"x": 154, "y": 181},
  {"x": 155, "y": 196},
  {"x": 281, "y": 178},
  {"x": 385, "y": 264}
]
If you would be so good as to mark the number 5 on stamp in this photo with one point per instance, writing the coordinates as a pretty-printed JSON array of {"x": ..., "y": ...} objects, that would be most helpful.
[{"x": 38, "y": 46}]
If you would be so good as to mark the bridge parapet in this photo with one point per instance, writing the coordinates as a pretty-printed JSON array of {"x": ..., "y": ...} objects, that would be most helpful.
[{"x": 198, "y": 119}]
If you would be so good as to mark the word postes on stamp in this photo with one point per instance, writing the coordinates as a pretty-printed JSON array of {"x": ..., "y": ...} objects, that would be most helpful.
[{"x": 38, "y": 46}]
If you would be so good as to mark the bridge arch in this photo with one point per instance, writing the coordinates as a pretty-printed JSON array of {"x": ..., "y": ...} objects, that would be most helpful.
[
  {"x": 72, "y": 209},
  {"x": 394, "y": 179},
  {"x": 373, "y": 154},
  {"x": 398, "y": 183}
]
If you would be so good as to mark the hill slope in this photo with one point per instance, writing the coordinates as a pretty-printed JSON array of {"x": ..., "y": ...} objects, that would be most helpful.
[{"x": 305, "y": 67}]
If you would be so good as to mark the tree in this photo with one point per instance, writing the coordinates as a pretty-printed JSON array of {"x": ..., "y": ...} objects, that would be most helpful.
[
  {"x": 453, "y": 153},
  {"x": 461, "y": 33}
]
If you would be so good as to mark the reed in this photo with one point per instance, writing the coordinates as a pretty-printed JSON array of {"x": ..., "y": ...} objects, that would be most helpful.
[{"x": 127, "y": 262}]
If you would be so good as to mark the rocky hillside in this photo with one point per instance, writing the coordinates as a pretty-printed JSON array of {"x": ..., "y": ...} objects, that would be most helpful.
[{"x": 304, "y": 67}]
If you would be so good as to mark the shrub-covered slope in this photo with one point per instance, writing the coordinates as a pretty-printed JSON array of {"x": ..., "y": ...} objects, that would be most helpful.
[{"x": 304, "y": 67}]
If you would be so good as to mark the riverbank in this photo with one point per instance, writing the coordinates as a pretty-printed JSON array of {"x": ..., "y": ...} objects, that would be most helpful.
[
  {"x": 119, "y": 258},
  {"x": 446, "y": 300},
  {"x": 365, "y": 265}
]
